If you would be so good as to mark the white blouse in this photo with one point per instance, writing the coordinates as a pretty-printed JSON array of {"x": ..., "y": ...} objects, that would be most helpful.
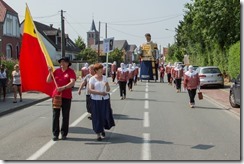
[{"x": 99, "y": 86}]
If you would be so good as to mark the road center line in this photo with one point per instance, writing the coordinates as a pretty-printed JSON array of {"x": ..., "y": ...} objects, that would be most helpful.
[
  {"x": 146, "y": 152},
  {"x": 146, "y": 95},
  {"x": 146, "y": 120}
]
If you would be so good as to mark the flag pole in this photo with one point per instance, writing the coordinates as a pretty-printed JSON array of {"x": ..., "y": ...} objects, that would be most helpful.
[{"x": 54, "y": 80}]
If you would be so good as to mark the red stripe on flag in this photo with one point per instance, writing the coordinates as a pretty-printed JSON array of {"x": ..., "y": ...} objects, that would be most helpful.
[{"x": 33, "y": 67}]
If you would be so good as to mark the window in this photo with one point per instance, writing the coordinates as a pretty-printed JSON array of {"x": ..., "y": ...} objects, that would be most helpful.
[
  {"x": 8, "y": 51},
  {"x": 9, "y": 27}
]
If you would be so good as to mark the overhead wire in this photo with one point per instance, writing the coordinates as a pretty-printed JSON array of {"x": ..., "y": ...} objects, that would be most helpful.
[{"x": 136, "y": 24}]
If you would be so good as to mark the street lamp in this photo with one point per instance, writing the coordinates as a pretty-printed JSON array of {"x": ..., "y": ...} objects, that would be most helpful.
[{"x": 171, "y": 31}]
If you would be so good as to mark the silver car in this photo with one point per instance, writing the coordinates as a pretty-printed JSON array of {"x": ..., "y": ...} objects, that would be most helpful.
[{"x": 210, "y": 76}]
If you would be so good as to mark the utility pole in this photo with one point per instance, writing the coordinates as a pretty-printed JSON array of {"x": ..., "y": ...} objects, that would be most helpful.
[
  {"x": 107, "y": 52},
  {"x": 98, "y": 46},
  {"x": 62, "y": 35}
]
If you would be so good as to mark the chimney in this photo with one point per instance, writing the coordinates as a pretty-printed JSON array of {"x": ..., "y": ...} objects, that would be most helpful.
[{"x": 51, "y": 25}]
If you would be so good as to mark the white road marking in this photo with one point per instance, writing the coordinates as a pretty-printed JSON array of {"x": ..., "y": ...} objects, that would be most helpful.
[
  {"x": 48, "y": 145},
  {"x": 41, "y": 151},
  {"x": 146, "y": 152},
  {"x": 146, "y": 122},
  {"x": 146, "y": 95},
  {"x": 146, "y": 104}
]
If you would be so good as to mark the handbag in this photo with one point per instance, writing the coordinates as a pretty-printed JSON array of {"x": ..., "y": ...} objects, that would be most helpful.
[
  {"x": 57, "y": 101},
  {"x": 200, "y": 95}
]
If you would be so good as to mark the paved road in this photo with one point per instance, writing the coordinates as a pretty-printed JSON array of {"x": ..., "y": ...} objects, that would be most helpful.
[
  {"x": 153, "y": 123},
  {"x": 215, "y": 95}
]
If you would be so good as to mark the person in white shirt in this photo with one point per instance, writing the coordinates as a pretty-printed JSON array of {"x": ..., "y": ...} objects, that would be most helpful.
[
  {"x": 16, "y": 83},
  {"x": 102, "y": 117}
]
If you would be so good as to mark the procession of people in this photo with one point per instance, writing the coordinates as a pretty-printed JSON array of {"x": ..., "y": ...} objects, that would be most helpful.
[{"x": 96, "y": 86}]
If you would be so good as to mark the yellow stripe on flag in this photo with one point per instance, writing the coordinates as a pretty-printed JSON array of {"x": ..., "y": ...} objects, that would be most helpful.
[{"x": 30, "y": 28}]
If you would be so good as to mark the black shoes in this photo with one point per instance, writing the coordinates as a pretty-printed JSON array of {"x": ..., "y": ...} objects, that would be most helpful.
[
  {"x": 103, "y": 134},
  {"x": 55, "y": 138},
  {"x": 99, "y": 138},
  {"x": 64, "y": 137},
  {"x": 89, "y": 117}
]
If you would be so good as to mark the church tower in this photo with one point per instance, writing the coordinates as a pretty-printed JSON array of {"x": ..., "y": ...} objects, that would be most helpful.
[{"x": 92, "y": 35}]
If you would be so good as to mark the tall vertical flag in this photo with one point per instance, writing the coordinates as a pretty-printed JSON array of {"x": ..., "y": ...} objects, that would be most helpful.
[{"x": 34, "y": 59}]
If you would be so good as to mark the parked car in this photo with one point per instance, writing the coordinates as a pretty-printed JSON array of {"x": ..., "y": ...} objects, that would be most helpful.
[
  {"x": 210, "y": 76},
  {"x": 235, "y": 92}
]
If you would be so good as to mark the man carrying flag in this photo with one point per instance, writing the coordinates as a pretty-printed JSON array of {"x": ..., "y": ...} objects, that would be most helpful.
[
  {"x": 37, "y": 74},
  {"x": 64, "y": 78}
]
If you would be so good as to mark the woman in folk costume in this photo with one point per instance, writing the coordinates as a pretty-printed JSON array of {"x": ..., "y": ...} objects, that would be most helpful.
[
  {"x": 191, "y": 83},
  {"x": 113, "y": 70},
  {"x": 130, "y": 76},
  {"x": 178, "y": 74},
  {"x": 84, "y": 71},
  {"x": 173, "y": 74},
  {"x": 122, "y": 78},
  {"x": 168, "y": 72},
  {"x": 102, "y": 117},
  {"x": 161, "y": 71},
  {"x": 136, "y": 71}
]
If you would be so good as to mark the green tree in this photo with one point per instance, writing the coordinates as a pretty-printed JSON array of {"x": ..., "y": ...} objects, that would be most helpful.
[
  {"x": 208, "y": 29},
  {"x": 88, "y": 55},
  {"x": 234, "y": 61},
  {"x": 79, "y": 42},
  {"x": 115, "y": 55}
]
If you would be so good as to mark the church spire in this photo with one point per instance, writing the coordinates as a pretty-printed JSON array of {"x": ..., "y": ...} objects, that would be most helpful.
[{"x": 93, "y": 27}]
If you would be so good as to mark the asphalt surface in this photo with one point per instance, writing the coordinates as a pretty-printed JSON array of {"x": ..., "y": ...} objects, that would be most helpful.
[{"x": 217, "y": 96}]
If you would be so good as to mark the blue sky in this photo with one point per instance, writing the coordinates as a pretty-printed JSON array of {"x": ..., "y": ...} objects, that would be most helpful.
[{"x": 126, "y": 20}]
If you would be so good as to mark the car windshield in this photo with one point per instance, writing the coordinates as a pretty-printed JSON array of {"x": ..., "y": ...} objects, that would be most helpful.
[{"x": 210, "y": 70}]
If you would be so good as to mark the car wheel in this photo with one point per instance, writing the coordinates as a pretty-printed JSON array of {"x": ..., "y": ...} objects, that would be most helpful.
[
  {"x": 232, "y": 100},
  {"x": 222, "y": 86}
]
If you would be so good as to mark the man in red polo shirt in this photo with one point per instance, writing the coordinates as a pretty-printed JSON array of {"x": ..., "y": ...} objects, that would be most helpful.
[{"x": 65, "y": 79}]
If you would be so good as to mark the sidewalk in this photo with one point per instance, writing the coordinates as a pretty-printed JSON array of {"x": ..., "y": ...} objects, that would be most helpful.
[
  {"x": 220, "y": 97},
  {"x": 29, "y": 98}
]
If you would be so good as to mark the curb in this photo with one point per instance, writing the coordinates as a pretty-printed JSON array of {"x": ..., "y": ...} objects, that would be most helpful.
[
  {"x": 220, "y": 105},
  {"x": 22, "y": 106}
]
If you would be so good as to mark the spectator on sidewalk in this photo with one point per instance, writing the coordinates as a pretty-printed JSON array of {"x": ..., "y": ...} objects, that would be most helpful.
[
  {"x": 102, "y": 117},
  {"x": 16, "y": 83},
  {"x": 85, "y": 82},
  {"x": 191, "y": 83},
  {"x": 65, "y": 78},
  {"x": 3, "y": 80}
]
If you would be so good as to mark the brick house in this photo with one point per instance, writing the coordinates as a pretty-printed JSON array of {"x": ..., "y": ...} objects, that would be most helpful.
[{"x": 10, "y": 38}]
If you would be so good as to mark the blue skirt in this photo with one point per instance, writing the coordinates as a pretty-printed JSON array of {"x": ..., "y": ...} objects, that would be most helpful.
[
  {"x": 102, "y": 116},
  {"x": 146, "y": 72}
]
